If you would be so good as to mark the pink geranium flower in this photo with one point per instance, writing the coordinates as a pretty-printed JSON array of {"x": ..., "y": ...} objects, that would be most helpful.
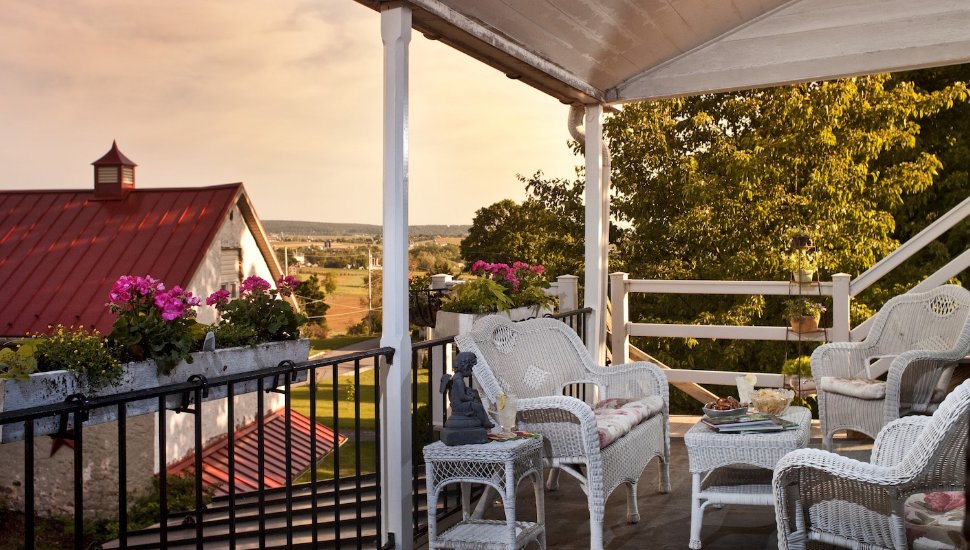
[
  {"x": 253, "y": 284},
  {"x": 220, "y": 296}
]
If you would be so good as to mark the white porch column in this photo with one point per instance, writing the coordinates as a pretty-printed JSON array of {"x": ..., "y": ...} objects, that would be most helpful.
[
  {"x": 840, "y": 307},
  {"x": 597, "y": 234},
  {"x": 396, "y": 414}
]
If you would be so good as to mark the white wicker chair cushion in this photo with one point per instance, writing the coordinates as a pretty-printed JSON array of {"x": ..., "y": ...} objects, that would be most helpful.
[
  {"x": 934, "y": 520},
  {"x": 616, "y": 417},
  {"x": 860, "y": 388}
]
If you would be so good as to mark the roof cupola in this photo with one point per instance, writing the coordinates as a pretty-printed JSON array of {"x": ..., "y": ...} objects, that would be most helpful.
[{"x": 114, "y": 175}]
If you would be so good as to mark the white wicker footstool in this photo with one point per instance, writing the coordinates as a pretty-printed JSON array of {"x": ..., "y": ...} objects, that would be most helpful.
[
  {"x": 500, "y": 465},
  {"x": 736, "y": 468}
]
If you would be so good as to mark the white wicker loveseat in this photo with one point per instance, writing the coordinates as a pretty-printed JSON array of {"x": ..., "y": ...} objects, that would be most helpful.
[
  {"x": 535, "y": 360},
  {"x": 821, "y": 496},
  {"x": 923, "y": 334}
]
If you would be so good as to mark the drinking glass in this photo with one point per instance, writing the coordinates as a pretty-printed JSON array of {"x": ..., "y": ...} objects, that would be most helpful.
[{"x": 505, "y": 413}]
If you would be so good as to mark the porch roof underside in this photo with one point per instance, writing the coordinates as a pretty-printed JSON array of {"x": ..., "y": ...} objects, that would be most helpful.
[{"x": 615, "y": 51}]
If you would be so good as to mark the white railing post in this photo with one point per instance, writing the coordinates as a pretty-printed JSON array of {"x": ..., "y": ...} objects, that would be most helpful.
[
  {"x": 396, "y": 395},
  {"x": 840, "y": 307},
  {"x": 567, "y": 289},
  {"x": 620, "y": 300}
]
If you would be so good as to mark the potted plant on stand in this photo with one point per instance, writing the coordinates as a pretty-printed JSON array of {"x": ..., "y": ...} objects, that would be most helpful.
[
  {"x": 802, "y": 264},
  {"x": 517, "y": 291},
  {"x": 803, "y": 314}
]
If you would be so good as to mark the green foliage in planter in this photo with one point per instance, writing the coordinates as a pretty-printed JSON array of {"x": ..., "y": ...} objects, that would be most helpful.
[
  {"x": 801, "y": 307},
  {"x": 477, "y": 296},
  {"x": 77, "y": 350},
  {"x": 801, "y": 366},
  {"x": 258, "y": 315},
  {"x": 18, "y": 363}
]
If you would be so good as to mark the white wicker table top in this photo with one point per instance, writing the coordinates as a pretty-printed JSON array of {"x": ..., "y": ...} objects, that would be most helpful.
[
  {"x": 708, "y": 449},
  {"x": 493, "y": 451}
]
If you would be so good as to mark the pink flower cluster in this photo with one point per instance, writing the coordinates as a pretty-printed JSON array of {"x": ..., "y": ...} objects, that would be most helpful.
[
  {"x": 511, "y": 276},
  {"x": 255, "y": 284},
  {"x": 287, "y": 284},
  {"x": 132, "y": 292},
  {"x": 220, "y": 296}
]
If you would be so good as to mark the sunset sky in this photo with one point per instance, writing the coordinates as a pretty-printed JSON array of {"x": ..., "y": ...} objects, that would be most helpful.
[{"x": 284, "y": 96}]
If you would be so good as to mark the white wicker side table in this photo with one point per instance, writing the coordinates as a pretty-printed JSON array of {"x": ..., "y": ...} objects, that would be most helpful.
[
  {"x": 736, "y": 468},
  {"x": 500, "y": 465}
]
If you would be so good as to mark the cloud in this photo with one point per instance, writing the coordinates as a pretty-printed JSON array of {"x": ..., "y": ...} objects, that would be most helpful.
[{"x": 285, "y": 97}]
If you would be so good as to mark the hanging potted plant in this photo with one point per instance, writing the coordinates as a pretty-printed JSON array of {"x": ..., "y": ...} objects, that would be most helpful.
[
  {"x": 517, "y": 291},
  {"x": 802, "y": 264},
  {"x": 802, "y": 314}
]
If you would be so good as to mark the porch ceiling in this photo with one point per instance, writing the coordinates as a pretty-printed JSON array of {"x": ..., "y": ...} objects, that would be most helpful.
[{"x": 614, "y": 51}]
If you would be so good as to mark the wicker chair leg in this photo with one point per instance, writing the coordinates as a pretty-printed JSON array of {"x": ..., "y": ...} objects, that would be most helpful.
[
  {"x": 632, "y": 511},
  {"x": 596, "y": 513},
  {"x": 665, "y": 474},
  {"x": 552, "y": 480}
]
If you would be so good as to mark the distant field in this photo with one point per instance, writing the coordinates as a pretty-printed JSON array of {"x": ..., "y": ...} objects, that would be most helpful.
[{"x": 348, "y": 303}]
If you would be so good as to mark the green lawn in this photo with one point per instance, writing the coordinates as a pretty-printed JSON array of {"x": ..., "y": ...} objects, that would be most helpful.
[
  {"x": 336, "y": 342},
  {"x": 300, "y": 400}
]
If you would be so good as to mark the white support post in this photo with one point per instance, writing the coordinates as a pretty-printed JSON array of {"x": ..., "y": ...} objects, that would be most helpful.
[
  {"x": 597, "y": 240},
  {"x": 396, "y": 414},
  {"x": 840, "y": 307},
  {"x": 619, "y": 298}
]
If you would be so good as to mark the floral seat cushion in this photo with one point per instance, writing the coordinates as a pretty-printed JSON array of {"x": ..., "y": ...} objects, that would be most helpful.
[
  {"x": 934, "y": 520},
  {"x": 616, "y": 417},
  {"x": 861, "y": 388}
]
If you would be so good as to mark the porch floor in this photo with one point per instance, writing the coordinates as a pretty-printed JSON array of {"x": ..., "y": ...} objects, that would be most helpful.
[{"x": 664, "y": 518}]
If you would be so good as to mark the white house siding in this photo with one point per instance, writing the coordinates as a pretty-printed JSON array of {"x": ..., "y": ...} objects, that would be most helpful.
[{"x": 234, "y": 237}]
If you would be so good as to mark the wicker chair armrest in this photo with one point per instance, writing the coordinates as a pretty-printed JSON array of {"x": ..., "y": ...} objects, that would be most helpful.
[
  {"x": 843, "y": 359},
  {"x": 823, "y": 476},
  {"x": 896, "y": 439},
  {"x": 637, "y": 379},
  {"x": 571, "y": 423}
]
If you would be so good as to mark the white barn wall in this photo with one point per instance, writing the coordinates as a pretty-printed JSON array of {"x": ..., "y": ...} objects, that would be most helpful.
[{"x": 180, "y": 437}]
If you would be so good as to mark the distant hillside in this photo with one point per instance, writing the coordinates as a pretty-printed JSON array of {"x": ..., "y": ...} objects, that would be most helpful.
[{"x": 288, "y": 227}]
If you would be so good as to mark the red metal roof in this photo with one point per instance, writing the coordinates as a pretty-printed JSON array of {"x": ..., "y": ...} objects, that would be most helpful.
[
  {"x": 60, "y": 251},
  {"x": 215, "y": 456}
]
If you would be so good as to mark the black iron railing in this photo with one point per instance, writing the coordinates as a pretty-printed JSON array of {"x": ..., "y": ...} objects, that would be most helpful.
[{"x": 289, "y": 516}]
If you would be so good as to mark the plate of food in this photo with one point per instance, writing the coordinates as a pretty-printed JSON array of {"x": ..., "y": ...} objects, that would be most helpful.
[{"x": 725, "y": 406}]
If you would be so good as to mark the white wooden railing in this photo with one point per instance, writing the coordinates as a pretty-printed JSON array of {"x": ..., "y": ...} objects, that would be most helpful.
[{"x": 842, "y": 288}]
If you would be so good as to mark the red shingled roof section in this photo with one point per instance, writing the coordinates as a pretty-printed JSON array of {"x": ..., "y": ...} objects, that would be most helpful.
[
  {"x": 60, "y": 251},
  {"x": 215, "y": 456}
]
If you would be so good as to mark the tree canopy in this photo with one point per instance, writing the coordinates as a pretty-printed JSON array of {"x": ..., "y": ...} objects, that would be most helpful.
[{"x": 714, "y": 186}]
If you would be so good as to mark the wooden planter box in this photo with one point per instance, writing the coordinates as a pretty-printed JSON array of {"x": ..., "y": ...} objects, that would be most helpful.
[
  {"x": 448, "y": 323},
  {"x": 48, "y": 388}
]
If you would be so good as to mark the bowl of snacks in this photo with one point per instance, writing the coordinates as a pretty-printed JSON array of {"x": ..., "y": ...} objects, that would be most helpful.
[
  {"x": 771, "y": 400},
  {"x": 725, "y": 406}
]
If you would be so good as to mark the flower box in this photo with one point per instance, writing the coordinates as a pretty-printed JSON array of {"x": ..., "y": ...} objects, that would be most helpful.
[
  {"x": 48, "y": 388},
  {"x": 448, "y": 323}
]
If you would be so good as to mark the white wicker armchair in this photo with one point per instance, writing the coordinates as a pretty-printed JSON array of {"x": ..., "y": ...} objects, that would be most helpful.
[
  {"x": 923, "y": 334},
  {"x": 535, "y": 360},
  {"x": 823, "y": 497}
]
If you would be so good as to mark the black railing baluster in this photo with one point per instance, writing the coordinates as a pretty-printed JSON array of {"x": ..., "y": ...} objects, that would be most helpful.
[
  {"x": 357, "y": 447},
  {"x": 313, "y": 454},
  {"x": 29, "y": 535},
  {"x": 337, "y": 492},
  {"x": 288, "y": 451},
  {"x": 122, "y": 475},
  {"x": 260, "y": 462},
  {"x": 199, "y": 503},
  {"x": 377, "y": 447},
  {"x": 231, "y": 456},
  {"x": 79, "y": 477},
  {"x": 162, "y": 476}
]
